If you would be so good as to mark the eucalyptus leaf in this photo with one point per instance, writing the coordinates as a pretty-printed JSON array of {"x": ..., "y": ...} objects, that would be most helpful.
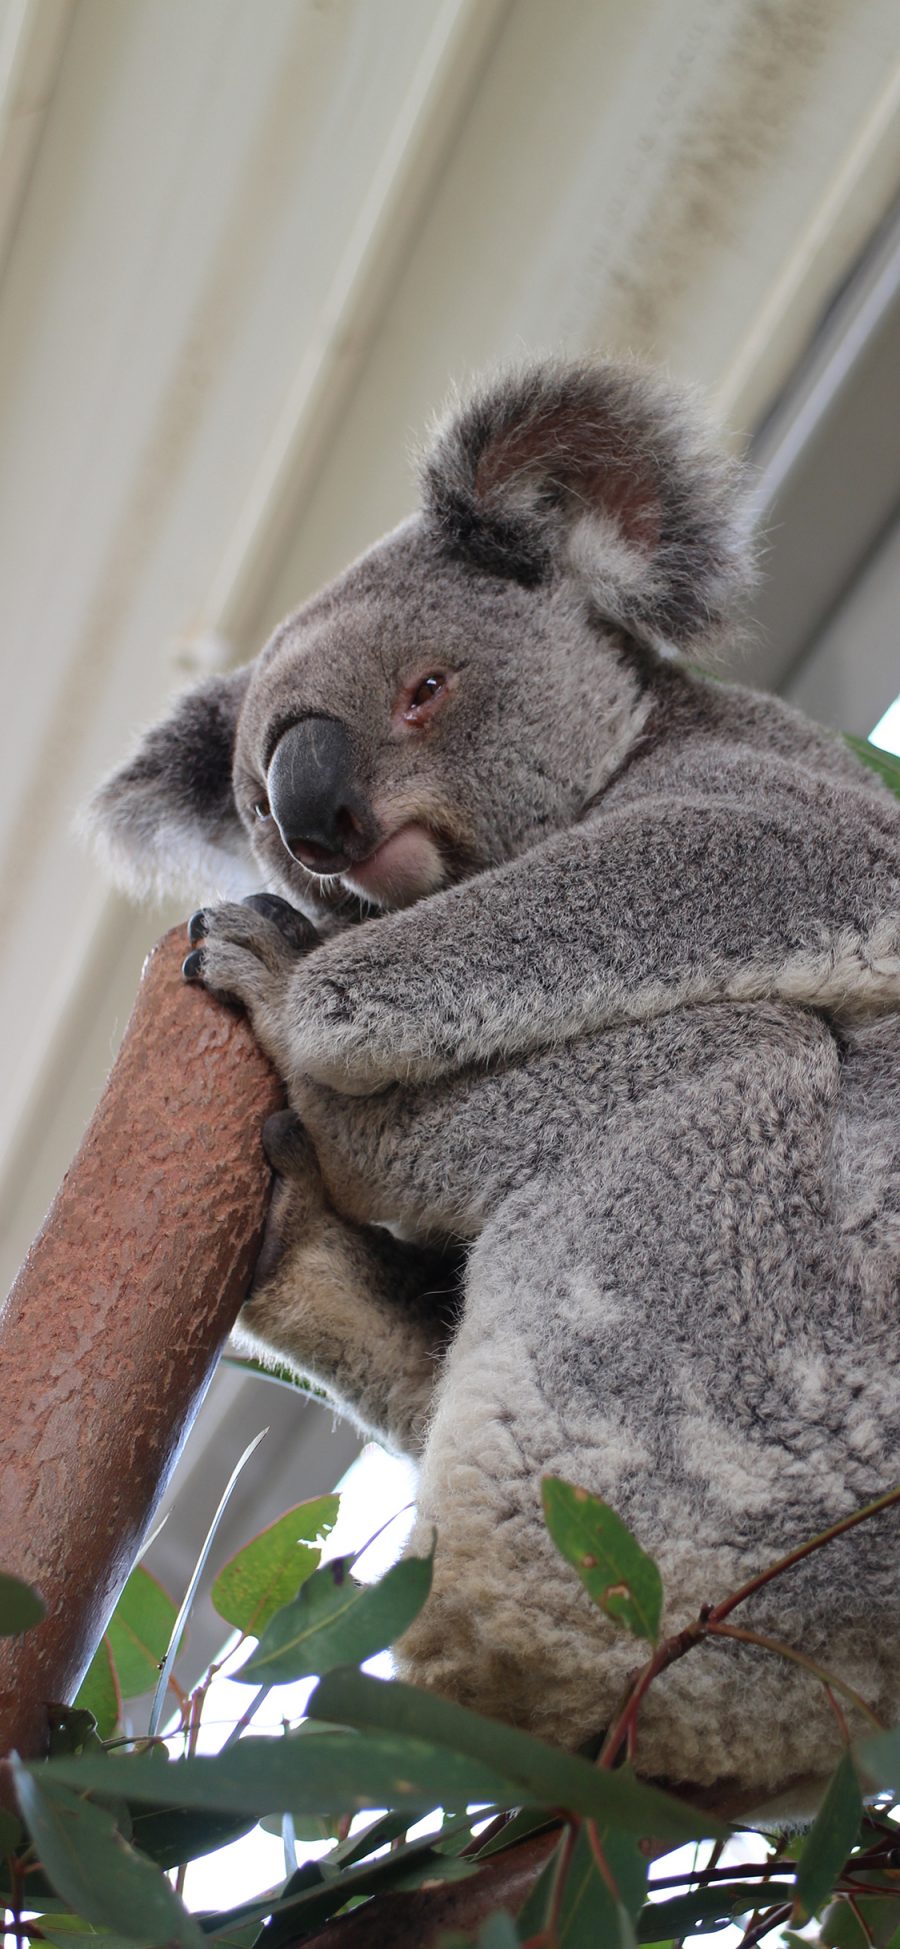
[
  {"x": 336, "y": 1621},
  {"x": 91, "y": 1866},
  {"x": 540, "y": 1774},
  {"x": 312, "y": 1895},
  {"x": 878, "y": 1758},
  {"x": 78, "y": 1934},
  {"x": 334, "y": 1772},
  {"x": 170, "y": 1835},
  {"x": 20, "y": 1606},
  {"x": 828, "y": 1843},
  {"x": 879, "y": 1914},
  {"x": 379, "y": 1833},
  {"x": 498, "y": 1932},
  {"x": 10, "y": 1832},
  {"x": 307, "y": 1828},
  {"x": 591, "y": 1907},
  {"x": 139, "y": 1631},
  {"x": 267, "y": 1573},
  {"x": 885, "y": 763},
  {"x": 613, "y": 1568},
  {"x": 594, "y": 1908},
  {"x": 71, "y": 1729},
  {"x": 528, "y": 1820},
  {"x": 99, "y": 1692},
  {"x": 710, "y": 1906},
  {"x": 536, "y": 1913},
  {"x": 176, "y": 1635},
  {"x": 840, "y": 1928}
]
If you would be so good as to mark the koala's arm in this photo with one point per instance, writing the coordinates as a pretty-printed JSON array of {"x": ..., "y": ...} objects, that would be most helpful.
[
  {"x": 654, "y": 903},
  {"x": 359, "y": 1313}
]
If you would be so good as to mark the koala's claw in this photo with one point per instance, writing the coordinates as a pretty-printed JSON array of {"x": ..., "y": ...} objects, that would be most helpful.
[
  {"x": 297, "y": 930},
  {"x": 248, "y": 960}
]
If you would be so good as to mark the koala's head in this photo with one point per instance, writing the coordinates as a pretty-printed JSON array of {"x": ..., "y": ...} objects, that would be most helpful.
[{"x": 469, "y": 685}]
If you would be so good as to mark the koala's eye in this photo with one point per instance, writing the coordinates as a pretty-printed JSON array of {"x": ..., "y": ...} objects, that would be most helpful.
[
  {"x": 262, "y": 808},
  {"x": 421, "y": 701}
]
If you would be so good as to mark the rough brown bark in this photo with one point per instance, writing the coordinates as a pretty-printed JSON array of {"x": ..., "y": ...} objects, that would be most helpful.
[{"x": 112, "y": 1330}]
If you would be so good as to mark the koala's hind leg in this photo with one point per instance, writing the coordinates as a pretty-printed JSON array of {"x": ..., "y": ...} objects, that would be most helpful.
[{"x": 364, "y": 1316}]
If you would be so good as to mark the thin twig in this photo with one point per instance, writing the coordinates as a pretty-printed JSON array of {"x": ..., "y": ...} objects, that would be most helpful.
[
  {"x": 825, "y": 1677},
  {"x": 777, "y": 1569},
  {"x": 664, "y": 1656},
  {"x": 245, "y": 1717},
  {"x": 704, "y": 1877},
  {"x": 546, "y": 1938},
  {"x": 602, "y": 1865},
  {"x": 711, "y": 1622},
  {"x": 839, "y": 1714},
  {"x": 853, "y": 1903},
  {"x": 772, "y": 1919}
]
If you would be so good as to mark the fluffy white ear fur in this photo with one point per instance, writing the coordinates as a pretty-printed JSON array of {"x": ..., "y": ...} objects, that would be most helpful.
[
  {"x": 170, "y": 861},
  {"x": 165, "y": 821},
  {"x": 603, "y": 471}
]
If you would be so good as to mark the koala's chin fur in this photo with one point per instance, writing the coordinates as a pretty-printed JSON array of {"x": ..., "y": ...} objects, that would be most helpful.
[{"x": 587, "y": 1000}]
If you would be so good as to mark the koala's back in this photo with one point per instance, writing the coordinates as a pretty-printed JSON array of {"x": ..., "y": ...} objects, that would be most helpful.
[{"x": 702, "y": 1326}]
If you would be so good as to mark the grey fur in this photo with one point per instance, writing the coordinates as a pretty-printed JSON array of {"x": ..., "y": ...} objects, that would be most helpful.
[{"x": 631, "y": 1039}]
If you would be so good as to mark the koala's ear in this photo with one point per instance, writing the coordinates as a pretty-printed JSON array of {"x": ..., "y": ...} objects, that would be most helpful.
[
  {"x": 604, "y": 471},
  {"x": 166, "y": 822}
]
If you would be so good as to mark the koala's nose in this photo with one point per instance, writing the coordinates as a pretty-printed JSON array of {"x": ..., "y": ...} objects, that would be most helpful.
[{"x": 322, "y": 817}]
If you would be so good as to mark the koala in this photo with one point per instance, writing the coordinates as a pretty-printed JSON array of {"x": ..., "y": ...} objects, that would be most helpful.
[{"x": 582, "y": 971}]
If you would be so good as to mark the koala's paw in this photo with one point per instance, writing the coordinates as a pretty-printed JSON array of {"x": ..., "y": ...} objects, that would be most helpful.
[
  {"x": 247, "y": 952},
  {"x": 298, "y": 1196}
]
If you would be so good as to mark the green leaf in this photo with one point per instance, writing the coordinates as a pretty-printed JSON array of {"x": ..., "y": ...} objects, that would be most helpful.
[
  {"x": 268, "y": 1571},
  {"x": 315, "y": 1892},
  {"x": 71, "y": 1729},
  {"x": 307, "y": 1827},
  {"x": 10, "y": 1832},
  {"x": 336, "y": 1621},
  {"x": 433, "y": 1866},
  {"x": 325, "y": 1773},
  {"x": 99, "y": 1691},
  {"x": 170, "y": 1835},
  {"x": 714, "y": 1906},
  {"x": 878, "y": 1760},
  {"x": 96, "y": 1871},
  {"x": 595, "y": 1909},
  {"x": 615, "y": 1571},
  {"x": 840, "y": 1928},
  {"x": 829, "y": 1840},
  {"x": 498, "y": 1932},
  {"x": 879, "y": 1914},
  {"x": 139, "y": 1632},
  {"x": 73, "y": 1932},
  {"x": 539, "y": 1774},
  {"x": 20, "y": 1606},
  {"x": 885, "y": 763},
  {"x": 528, "y": 1820},
  {"x": 536, "y": 1913},
  {"x": 70, "y": 1932},
  {"x": 379, "y": 1833}
]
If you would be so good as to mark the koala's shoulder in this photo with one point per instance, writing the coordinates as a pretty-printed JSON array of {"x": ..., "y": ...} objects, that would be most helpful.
[{"x": 745, "y": 748}]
